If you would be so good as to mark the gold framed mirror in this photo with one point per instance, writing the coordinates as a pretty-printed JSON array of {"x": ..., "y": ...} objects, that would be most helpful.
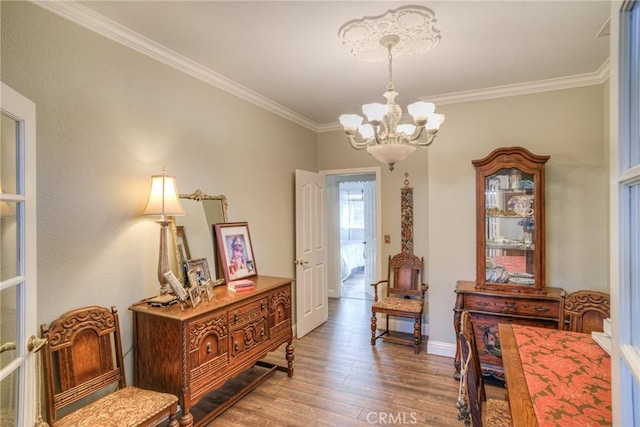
[{"x": 192, "y": 234}]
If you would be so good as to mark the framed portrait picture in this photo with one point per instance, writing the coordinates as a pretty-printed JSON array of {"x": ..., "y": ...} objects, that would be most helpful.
[
  {"x": 236, "y": 251},
  {"x": 192, "y": 276},
  {"x": 194, "y": 296},
  {"x": 200, "y": 268}
]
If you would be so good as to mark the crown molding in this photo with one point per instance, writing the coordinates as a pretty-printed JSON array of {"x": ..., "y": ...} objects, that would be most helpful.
[
  {"x": 85, "y": 17},
  {"x": 598, "y": 77},
  {"x": 100, "y": 24}
]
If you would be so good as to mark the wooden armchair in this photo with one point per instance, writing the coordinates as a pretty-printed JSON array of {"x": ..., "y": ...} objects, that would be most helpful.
[
  {"x": 83, "y": 362},
  {"x": 404, "y": 298},
  {"x": 473, "y": 407},
  {"x": 585, "y": 311}
]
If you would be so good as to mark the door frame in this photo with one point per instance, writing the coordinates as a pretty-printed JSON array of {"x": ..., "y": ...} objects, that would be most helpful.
[
  {"x": 333, "y": 232},
  {"x": 17, "y": 107}
]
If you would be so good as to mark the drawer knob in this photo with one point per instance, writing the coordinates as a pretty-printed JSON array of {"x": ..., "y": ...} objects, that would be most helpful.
[
  {"x": 235, "y": 317},
  {"x": 235, "y": 346},
  {"x": 482, "y": 303},
  {"x": 511, "y": 305},
  {"x": 262, "y": 332},
  {"x": 280, "y": 314},
  {"x": 208, "y": 347},
  {"x": 262, "y": 306},
  {"x": 540, "y": 308}
]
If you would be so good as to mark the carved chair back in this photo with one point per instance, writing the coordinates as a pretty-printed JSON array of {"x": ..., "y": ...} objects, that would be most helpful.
[
  {"x": 404, "y": 275},
  {"x": 83, "y": 355},
  {"x": 84, "y": 375},
  {"x": 585, "y": 311},
  {"x": 473, "y": 383}
]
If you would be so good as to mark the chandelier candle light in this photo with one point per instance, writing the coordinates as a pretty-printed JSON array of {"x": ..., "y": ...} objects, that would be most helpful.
[
  {"x": 406, "y": 30},
  {"x": 163, "y": 201}
]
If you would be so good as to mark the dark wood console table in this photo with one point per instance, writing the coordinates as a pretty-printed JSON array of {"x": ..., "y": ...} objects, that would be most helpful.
[
  {"x": 489, "y": 308},
  {"x": 193, "y": 351}
]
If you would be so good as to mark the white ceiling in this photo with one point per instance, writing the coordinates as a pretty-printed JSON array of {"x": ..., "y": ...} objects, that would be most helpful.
[{"x": 287, "y": 56}]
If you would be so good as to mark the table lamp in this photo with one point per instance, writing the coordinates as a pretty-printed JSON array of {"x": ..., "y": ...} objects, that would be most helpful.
[{"x": 165, "y": 202}]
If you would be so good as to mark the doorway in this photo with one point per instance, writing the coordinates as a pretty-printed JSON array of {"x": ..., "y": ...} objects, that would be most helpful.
[
  {"x": 352, "y": 239},
  {"x": 352, "y": 229}
]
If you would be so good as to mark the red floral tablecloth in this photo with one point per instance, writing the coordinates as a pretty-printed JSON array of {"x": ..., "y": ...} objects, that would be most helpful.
[{"x": 568, "y": 375}]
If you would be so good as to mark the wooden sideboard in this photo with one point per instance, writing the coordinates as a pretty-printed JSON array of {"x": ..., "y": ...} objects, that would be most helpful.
[
  {"x": 488, "y": 308},
  {"x": 192, "y": 351}
]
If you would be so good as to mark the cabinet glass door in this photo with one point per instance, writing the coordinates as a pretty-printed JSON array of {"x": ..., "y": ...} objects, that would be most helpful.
[
  {"x": 510, "y": 220},
  {"x": 509, "y": 227}
]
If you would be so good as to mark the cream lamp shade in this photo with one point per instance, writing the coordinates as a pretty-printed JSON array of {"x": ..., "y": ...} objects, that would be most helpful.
[{"x": 163, "y": 198}]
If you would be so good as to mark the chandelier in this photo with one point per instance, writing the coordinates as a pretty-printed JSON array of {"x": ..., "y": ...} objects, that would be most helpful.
[{"x": 383, "y": 136}]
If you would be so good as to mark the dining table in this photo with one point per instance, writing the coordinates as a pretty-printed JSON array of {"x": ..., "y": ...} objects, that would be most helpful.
[{"x": 555, "y": 377}]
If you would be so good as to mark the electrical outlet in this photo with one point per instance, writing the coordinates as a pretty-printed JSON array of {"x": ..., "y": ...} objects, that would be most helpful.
[{"x": 387, "y": 238}]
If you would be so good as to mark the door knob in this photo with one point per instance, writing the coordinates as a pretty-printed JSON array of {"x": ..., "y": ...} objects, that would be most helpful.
[
  {"x": 35, "y": 344},
  {"x": 301, "y": 262}
]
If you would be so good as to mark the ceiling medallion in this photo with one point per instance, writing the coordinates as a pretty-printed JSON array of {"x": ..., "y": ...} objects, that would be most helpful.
[{"x": 412, "y": 24}]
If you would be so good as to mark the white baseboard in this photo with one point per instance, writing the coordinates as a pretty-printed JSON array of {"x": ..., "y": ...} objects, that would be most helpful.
[{"x": 441, "y": 348}]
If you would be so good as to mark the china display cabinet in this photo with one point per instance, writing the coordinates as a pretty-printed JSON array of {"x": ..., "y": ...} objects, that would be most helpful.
[
  {"x": 510, "y": 281},
  {"x": 510, "y": 221}
]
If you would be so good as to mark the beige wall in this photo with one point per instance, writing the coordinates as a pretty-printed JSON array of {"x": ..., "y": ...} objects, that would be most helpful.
[
  {"x": 107, "y": 119},
  {"x": 569, "y": 125}
]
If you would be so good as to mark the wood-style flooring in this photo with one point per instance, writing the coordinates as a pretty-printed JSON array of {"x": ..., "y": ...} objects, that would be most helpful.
[{"x": 341, "y": 380}]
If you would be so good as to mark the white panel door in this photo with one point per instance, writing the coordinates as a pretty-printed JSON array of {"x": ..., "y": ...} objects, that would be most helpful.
[
  {"x": 311, "y": 253},
  {"x": 18, "y": 294}
]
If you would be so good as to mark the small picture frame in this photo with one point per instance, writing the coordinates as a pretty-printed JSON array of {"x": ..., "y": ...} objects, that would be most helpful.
[
  {"x": 200, "y": 266},
  {"x": 208, "y": 289},
  {"x": 176, "y": 286},
  {"x": 193, "y": 278},
  {"x": 194, "y": 296},
  {"x": 235, "y": 249}
]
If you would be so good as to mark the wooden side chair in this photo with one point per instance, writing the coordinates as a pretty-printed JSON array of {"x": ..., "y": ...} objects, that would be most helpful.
[
  {"x": 404, "y": 298},
  {"x": 473, "y": 406},
  {"x": 83, "y": 362},
  {"x": 585, "y": 311}
]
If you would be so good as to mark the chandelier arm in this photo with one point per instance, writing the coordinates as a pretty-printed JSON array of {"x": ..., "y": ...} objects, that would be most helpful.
[
  {"x": 358, "y": 144},
  {"x": 431, "y": 136}
]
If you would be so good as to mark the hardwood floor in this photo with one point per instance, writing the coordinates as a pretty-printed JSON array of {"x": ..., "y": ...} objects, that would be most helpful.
[{"x": 340, "y": 380}]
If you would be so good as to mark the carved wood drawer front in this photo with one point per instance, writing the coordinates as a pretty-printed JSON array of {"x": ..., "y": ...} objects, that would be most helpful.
[
  {"x": 520, "y": 306},
  {"x": 208, "y": 349},
  {"x": 249, "y": 327},
  {"x": 280, "y": 315}
]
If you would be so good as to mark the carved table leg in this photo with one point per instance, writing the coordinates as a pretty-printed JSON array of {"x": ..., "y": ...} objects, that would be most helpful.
[
  {"x": 374, "y": 328},
  {"x": 416, "y": 336},
  {"x": 186, "y": 420},
  {"x": 290, "y": 356},
  {"x": 457, "y": 310}
]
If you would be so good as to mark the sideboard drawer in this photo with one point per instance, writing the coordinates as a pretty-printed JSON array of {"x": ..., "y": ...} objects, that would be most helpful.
[
  {"x": 248, "y": 313},
  {"x": 208, "y": 350},
  {"x": 280, "y": 311},
  {"x": 520, "y": 306},
  {"x": 249, "y": 327}
]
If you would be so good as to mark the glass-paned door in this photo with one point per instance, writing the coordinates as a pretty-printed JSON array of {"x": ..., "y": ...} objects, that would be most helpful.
[
  {"x": 627, "y": 353},
  {"x": 17, "y": 259}
]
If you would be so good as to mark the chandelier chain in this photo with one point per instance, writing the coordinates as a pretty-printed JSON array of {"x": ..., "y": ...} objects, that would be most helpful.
[{"x": 390, "y": 57}]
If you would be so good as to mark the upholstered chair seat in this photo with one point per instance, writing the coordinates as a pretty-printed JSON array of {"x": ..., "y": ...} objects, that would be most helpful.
[
  {"x": 126, "y": 407},
  {"x": 399, "y": 304}
]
